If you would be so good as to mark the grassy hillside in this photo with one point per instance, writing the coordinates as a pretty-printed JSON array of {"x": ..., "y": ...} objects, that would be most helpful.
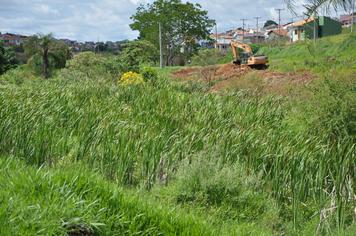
[
  {"x": 75, "y": 201},
  {"x": 327, "y": 54},
  {"x": 169, "y": 158}
]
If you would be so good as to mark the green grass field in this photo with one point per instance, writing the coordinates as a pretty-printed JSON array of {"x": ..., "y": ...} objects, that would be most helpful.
[{"x": 86, "y": 156}]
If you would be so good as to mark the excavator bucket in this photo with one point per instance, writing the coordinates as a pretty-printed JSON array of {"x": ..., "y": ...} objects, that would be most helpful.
[{"x": 237, "y": 62}]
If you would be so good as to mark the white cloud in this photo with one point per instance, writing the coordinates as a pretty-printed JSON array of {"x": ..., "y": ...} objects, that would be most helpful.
[
  {"x": 44, "y": 9},
  {"x": 88, "y": 20}
]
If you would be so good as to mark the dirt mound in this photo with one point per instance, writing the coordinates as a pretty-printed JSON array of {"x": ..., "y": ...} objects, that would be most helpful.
[
  {"x": 243, "y": 77},
  {"x": 220, "y": 72},
  {"x": 184, "y": 73},
  {"x": 231, "y": 70}
]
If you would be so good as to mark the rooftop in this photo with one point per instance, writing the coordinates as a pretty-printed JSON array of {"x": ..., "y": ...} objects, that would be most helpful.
[{"x": 302, "y": 22}]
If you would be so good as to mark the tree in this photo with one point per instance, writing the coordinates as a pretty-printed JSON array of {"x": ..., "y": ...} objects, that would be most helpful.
[
  {"x": 137, "y": 53},
  {"x": 182, "y": 23},
  {"x": 269, "y": 23},
  {"x": 45, "y": 53},
  {"x": 45, "y": 43},
  {"x": 7, "y": 59}
]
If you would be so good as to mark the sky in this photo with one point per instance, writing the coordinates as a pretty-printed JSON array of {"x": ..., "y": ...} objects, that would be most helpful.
[{"x": 108, "y": 20}]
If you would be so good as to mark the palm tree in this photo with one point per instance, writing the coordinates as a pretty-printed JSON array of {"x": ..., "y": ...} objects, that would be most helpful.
[
  {"x": 312, "y": 6},
  {"x": 45, "y": 42}
]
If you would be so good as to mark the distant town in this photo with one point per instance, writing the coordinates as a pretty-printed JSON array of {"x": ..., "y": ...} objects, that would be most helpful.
[
  {"x": 290, "y": 32},
  {"x": 16, "y": 40}
]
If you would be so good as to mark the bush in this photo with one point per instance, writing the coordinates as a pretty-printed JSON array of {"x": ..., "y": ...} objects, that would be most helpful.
[
  {"x": 208, "y": 183},
  {"x": 131, "y": 78},
  {"x": 93, "y": 66},
  {"x": 138, "y": 53},
  {"x": 18, "y": 75},
  {"x": 149, "y": 74},
  {"x": 7, "y": 59}
]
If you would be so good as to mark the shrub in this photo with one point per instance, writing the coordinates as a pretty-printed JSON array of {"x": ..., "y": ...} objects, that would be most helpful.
[
  {"x": 93, "y": 66},
  {"x": 7, "y": 59},
  {"x": 131, "y": 78},
  {"x": 18, "y": 75},
  {"x": 149, "y": 74},
  {"x": 208, "y": 183},
  {"x": 138, "y": 53}
]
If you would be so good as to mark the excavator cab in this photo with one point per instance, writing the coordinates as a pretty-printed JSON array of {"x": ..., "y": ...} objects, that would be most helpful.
[{"x": 247, "y": 57}]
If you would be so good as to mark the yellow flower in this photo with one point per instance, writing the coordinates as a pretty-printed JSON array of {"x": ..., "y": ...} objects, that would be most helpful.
[{"x": 131, "y": 78}]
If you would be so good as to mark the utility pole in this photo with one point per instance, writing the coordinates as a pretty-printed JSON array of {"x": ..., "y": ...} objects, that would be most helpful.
[
  {"x": 352, "y": 15},
  {"x": 315, "y": 36},
  {"x": 243, "y": 29},
  {"x": 279, "y": 19},
  {"x": 97, "y": 45},
  {"x": 291, "y": 36},
  {"x": 160, "y": 46},
  {"x": 279, "y": 22},
  {"x": 258, "y": 37},
  {"x": 216, "y": 35}
]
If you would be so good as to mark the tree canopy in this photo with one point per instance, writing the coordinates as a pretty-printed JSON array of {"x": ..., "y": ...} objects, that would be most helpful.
[
  {"x": 7, "y": 59},
  {"x": 182, "y": 25},
  {"x": 313, "y": 6},
  {"x": 137, "y": 53},
  {"x": 269, "y": 22},
  {"x": 45, "y": 53}
]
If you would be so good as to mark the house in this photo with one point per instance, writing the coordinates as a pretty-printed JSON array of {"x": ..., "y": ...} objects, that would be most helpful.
[
  {"x": 223, "y": 42},
  {"x": 12, "y": 39},
  {"x": 322, "y": 25},
  {"x": 208, "y": 43},
  {"x": 286, "y": 26},
  {"x": 277, "y": 34},
  {"x": 250, "y": 37},
  {"x": 347, "y": 19}
]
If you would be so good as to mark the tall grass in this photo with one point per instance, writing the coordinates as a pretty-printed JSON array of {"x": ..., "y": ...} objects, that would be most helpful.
[
  {"x": 134, "y": 135},
  {"x": 302, "y": 152},
  {"x": 75, "y": 201}
]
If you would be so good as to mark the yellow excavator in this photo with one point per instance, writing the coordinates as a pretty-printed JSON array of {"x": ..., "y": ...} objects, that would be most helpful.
[{"x": 247, "y": 57}]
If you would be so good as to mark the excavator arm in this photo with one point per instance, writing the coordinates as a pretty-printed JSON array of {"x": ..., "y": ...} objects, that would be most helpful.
[{"x": 235, "y": 45}]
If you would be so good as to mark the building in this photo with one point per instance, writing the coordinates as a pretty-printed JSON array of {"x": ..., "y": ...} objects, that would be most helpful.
[
  {"x": 12, "y": 39},
  {"x": 277, "y": 34},
  {"x": 208, "y": 43},
  {"x": 322, "y": 26},
  {"x": 248, "y": 37},
  {"x": 347, "y": 19},
  {"x": 223, "y": 42}
]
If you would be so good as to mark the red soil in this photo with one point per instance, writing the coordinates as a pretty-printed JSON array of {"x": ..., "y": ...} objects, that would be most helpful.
[{"x": 229, "y": 74}]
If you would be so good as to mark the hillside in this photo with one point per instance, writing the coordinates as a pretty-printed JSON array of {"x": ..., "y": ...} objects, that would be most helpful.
[{"x": 258, "y": 153}]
